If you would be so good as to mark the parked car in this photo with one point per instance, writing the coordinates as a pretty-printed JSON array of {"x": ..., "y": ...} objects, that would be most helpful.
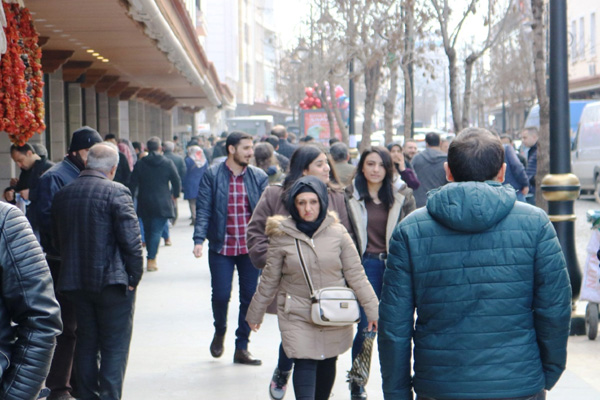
[{"x": 585, "y": 156}]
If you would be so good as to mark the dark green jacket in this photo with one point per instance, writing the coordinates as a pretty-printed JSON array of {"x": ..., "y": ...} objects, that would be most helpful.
[{"x": 488, "y": 280}]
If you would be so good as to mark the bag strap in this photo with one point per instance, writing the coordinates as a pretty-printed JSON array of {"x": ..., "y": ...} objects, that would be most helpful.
[{"x": 304, "y": 269}]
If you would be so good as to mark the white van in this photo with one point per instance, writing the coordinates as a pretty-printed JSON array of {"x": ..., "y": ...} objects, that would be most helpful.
[{"x": 585, "y": 155}]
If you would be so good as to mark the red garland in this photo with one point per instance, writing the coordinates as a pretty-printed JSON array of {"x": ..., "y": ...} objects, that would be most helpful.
[{"x": 21, "y": 85}]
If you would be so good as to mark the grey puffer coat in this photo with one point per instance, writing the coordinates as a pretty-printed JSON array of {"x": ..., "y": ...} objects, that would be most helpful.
[
  {"x": 29, "y": 312},
  {"x": 332, "y": 260}
]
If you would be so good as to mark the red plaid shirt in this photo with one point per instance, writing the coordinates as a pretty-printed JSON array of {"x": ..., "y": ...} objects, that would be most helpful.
[{"x": 238, "y": 216}]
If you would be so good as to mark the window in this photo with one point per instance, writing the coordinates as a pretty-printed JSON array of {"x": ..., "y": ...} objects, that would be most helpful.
[
  {"x": 581, "y": 38},
  {"x": 593, "y": 34},
  {"x": 573, "y": 40},
  {"x": 246, "y": 33}
]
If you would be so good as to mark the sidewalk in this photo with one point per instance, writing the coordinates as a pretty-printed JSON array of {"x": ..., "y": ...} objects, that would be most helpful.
[{"x": 170, "y": 359}]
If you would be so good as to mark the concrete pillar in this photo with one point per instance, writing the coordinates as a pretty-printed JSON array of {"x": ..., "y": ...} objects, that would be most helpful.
[
  {"x": 8, "y": 169},
  {"x": 75, "y": 108},
  {"x": 134, "y": 130},
  {"x": 113, "y": 115},
  {"x": 103, "y": 114},
  {"x": 59, "y": 139},
  {"x": 123, "y": 109},
  {"x": 214, "y": 117},
  {"x": 168, "y": 125},
  {"x": 91, "y": 116}
]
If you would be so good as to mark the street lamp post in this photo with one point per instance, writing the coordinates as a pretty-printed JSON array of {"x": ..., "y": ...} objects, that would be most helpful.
[{"x": 561, "y": 187}]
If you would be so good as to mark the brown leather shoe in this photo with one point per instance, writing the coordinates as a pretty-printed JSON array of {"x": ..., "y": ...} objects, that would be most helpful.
[
  {"x": 216, "y": 346},
  {"x": 244, "y": 357}
]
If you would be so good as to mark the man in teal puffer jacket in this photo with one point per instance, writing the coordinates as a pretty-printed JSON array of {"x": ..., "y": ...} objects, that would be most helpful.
[{"x": 488, "y": 280}]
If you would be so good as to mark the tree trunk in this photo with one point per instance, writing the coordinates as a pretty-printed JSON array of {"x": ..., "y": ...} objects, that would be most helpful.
[
  {"x": 323, "y": 97},
  {"x": 539, "y": 63},
  {"x": 336, "y": 113},
  {"x": 372, "y": 77},
  {"x": 467, "y": 95},
  {"x": 389, "y": 106},
  {"x": 408, "y": 102},
  {"x": 453, "y": 82}
]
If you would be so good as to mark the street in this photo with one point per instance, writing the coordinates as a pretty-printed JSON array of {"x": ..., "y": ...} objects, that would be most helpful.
[{"x": 170, "y": 356}]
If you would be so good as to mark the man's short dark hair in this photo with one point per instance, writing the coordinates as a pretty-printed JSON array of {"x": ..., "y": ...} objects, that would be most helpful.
[
  {"x": 339, "y": 152},
  {"x": 22, "y": 149},
  {"x": 475, "y": 155},
  {"x": 279, "y": 131},
  {"x": 153, "y": 144},
  {"x": 432, "y": 139},
  {"x": 234, "y": 139},
  {"x": 110, "y": 136},
  {"x": 274, "y": 140},
  {"x": 333, "y": 141}
]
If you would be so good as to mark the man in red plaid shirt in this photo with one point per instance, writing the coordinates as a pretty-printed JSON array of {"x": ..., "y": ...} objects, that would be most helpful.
[{"x": 227, "y": 195}]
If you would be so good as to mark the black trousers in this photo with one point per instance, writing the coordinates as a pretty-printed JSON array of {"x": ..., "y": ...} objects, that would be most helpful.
[
  {"x": 313, "y": 379},
  {"x": 59, "y": 377},
  {"x": 104, "y": 327}
]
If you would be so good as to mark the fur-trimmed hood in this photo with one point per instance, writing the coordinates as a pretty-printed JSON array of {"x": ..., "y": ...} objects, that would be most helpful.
[{"x": 278, "y": 225}]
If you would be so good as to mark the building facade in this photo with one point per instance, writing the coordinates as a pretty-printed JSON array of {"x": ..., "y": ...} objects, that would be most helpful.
[
  {"x": 135, "y": 68},
  {"x": 584, "y": 49}
]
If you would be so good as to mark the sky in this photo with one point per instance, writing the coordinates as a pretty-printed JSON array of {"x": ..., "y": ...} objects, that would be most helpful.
[{"x": 288, "y": 16}]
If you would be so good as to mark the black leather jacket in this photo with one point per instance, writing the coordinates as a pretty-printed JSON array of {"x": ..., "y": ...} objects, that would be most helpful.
[{"x": 29, "y": 313}]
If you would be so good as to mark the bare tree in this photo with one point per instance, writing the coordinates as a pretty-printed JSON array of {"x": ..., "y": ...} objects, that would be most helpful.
[
  {"x": 539, "y": 61},
  {"x": 495, "y": 23}
]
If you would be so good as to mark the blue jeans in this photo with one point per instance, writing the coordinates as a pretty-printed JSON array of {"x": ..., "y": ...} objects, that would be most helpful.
[
  {"x": 165, "y": 232},
  {"x": 374, "y": 269},
  {"x": 104, "y": 326},
  {"x": 153, "y": 228},
  {"x": 221, "y": 276}
]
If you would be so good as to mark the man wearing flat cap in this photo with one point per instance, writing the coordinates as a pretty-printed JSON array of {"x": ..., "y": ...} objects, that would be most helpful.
[{"x": 50, "y": 183}]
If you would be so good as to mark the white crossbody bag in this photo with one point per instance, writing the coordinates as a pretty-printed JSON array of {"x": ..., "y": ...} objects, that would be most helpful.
[{"x": 331, "y": 306}]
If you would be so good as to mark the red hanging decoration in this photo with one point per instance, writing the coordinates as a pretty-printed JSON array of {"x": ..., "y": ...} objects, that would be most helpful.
[{"x": 21, "y": 83}]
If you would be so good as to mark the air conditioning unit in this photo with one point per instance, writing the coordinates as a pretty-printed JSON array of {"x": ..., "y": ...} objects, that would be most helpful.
[{"x": 592, "y": 69}]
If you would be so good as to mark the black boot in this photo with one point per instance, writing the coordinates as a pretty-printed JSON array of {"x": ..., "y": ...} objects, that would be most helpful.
[
  {"x": 216, "y": 346},
  {"x": 357, "y": 392}
]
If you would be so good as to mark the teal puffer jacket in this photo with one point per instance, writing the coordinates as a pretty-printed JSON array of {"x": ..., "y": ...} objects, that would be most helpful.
[{"x": 489, "y": 283}]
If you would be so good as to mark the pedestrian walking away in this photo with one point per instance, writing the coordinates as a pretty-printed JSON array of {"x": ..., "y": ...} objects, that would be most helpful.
[
  {"x": 228, "y": 194},
  {"x": 196, "y": 165},
  {"x": 429, "y": 167},
  {"x": 63, "y": 173},
  {"x": 487, "y": 278},
  {"x": 376, "y": 206},
  {"x": 330, "y": 255},
  {"x": 307, "y": 160},
  {"x": 98, "y": 236},
  {"x": 157, "y": 182},
  {"x": 30, "y": 320}
]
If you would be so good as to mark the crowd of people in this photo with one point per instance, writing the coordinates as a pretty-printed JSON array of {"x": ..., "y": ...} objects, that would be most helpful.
[{"x": 432, "y": 233}]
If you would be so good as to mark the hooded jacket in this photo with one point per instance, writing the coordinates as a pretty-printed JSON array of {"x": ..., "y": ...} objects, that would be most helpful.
[
  {"x": 151, "y": 177},
  {"x": 429, "y": 167},
  {"x": 272, "y": 203},
  {"x": 488, "y": 280},
  {"x": 332, "y": 260},
  {"x": 29, "y": 313}
]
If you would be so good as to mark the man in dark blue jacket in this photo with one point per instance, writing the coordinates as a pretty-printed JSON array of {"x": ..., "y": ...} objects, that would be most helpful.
[
  {"x": 488, "y": 281},
  {"x": 227, "y": 196},
  {"x": 98, "y": 235},
  {"x": 49, "y": 184}
]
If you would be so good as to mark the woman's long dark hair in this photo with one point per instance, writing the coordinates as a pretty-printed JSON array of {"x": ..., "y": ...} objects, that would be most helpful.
[
  {"x": 390, "y": 147},
  {"x": 386, "y": 192},
  {"x": 302, "y": 157}
]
